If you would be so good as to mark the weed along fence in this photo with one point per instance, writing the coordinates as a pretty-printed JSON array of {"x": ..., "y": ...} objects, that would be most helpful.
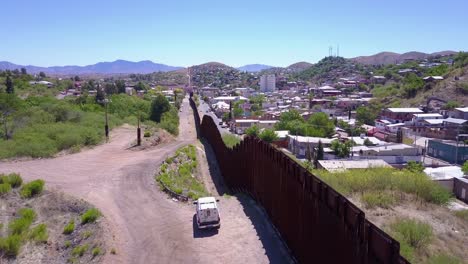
[{"x": 318, "y": 224}]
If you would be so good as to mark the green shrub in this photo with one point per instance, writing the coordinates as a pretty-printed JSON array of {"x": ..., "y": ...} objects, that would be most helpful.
[
  {"x": 69, "y": 228},
  {"x": 378, "y": 199},
  {"x": 32, "y": 188},
  {"x": 147, "y": 134},
  {"x": 413, "y": 232},
  {"x": 5, "y": 188},
  {"x": 11, "y": 245},
  {"x": 170, "y": 121},
  {"x": 79, "y": 250},
  {"x": 386, "y": 179},
  {"x": 443, "y": 259},
  {"x": 87, "y": 234},
  {"x": 39, "y": 233},
  {"x": 90, "y": 216},
  {"x": 20, "y": 225},
  {"x": 96, "y": 251},
  {"x": 13, "y": 179},
  {"x": 230, "y": 140},
  {"x": 67, "y": 244}
]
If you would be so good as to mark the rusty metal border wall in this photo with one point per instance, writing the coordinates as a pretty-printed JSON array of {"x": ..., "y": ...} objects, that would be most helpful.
[{"x": 317, "y": 223}]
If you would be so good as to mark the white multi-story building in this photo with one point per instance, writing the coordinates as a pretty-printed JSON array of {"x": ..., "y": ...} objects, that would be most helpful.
[{"x": 268, "y": 83}]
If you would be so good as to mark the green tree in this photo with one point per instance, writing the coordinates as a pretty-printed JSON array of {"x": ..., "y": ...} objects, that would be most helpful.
[
  {"x": 465, "y": 167},
  {"x": 42, "y": 75},
  {"x": 365, "y": 115},
  {"x": 238, "y": 112},
  {"x": 268, "y": 135},
  {"x": 321, "y": 125},
  {"x": 450, "y": 105},
  {"x": 100, "y": 96},
  {"x": 253, "y": 131},
  {"x": 412, "y": 84},
  {"x": 77, "y": 78},
  {"x": 120, "y": 84},
  {"x": 414, "y": 166},
  {"x": 140, "y": 87},
  {"x": 9, "y": 85},
  {"x": 9, "y": 103},
  {"x": 319, "y": 154},
  {"x": 367, "y": 142},
  {"x": 24, "y": 71},
  {"x": 110, "y": 88},
  {"x": 342, "y": 150},
  {"x": 159, "y": 106}
]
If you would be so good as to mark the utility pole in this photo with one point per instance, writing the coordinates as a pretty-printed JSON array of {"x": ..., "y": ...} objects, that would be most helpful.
[
  {"x": 106, "y": 128},
  {"x": 139, "y": 130},
  {"x": 456, "y": 147}
]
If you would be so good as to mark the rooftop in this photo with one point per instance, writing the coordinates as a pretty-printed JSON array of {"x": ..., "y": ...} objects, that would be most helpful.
[
  {"x": 340, "y": 165},
  {"x": 405, "y": 110}
]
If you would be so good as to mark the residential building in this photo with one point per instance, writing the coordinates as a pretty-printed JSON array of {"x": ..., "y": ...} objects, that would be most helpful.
[
  {"x": 268, "y": 83},
  {"x": 461, "y": 113},
  {"x": 241, "y": 125},
  {"x": 400, "y": 115},
  {"x": 298, "y": 144},
  {"x": 447, "y": 150},
  {"x": 342, "y": 165}
]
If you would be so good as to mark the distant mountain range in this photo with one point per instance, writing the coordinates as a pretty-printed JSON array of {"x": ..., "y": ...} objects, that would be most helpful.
[
  {"x": 254, "y": 67},
  {"x": 393, "y": 58},
  {"x": 143, "y": 67},
  {"x": 115, "y": 67}
]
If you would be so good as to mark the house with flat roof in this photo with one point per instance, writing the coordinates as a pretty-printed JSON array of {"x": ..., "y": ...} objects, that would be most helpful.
[
  {"x": 400, "y": 115},
  {"x": 298, "y": 145},
  {"x": 342, "y": 165}
]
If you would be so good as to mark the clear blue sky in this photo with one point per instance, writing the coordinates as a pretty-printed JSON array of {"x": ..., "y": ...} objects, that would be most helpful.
[{"x": 235, "y": 32}]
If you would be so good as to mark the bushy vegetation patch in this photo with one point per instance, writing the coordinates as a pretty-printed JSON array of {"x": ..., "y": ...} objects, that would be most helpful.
[
  {"x": 10, "y": 245},
  {"x": 39, "y": 233},
  {"x": 412, "y": 235},
  {"x": 19, "y": 231},
  {"x": 96, "y": 251},
  {"x": 20, "y": 225},
  {"x": 230, "y": 140},
  {"x": 13, "y": 179},
  {"x": 69, "y": 228},
  {"x": 32, "y": 188},
  {"x": 90, "y": 216},
  {"x": 176, "y": 173},
  {"x": 443, "y": 259},
  {"x": 79, "y": 251},
  {"x": 378, "y": 199},
  {"x": 5, "y": 188},
  {"x": 386, "y": 179}
]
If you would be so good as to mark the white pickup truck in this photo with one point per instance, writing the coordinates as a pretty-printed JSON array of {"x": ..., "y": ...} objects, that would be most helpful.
[{"x": 207, "y": 213}]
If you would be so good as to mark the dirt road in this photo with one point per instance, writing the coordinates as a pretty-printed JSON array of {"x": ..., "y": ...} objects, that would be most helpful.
[{"x": 148, "y": 227}]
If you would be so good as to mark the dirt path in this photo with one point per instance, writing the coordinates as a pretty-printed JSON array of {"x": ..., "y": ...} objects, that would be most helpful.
[{"x": 147, "y": 226}]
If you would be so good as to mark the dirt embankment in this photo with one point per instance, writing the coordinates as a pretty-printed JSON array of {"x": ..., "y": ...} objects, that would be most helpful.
[{"x": 55, "y": 210}]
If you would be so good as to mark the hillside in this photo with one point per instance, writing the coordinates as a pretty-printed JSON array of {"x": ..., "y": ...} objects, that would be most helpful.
[
  {"x": 254, "y": 67},
  {"x": 453, "y": 89},
  {"x": 219, "y": 75},
  {"x": 115, "y": 67},
  {"x": 385, "y": 58},
  {"x": 330, "y": 69},
  {"x": 299, "y": 66},
  {"x": 412, "y": 90}
]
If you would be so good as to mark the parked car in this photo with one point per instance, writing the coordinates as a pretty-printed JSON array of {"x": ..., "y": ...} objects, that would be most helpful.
[{"x": 207, "y": 213}]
